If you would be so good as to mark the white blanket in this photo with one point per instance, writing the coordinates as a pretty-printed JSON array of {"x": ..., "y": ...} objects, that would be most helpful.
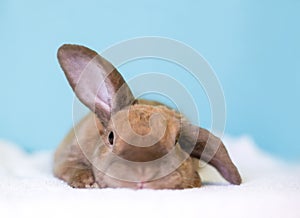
[{"x": 270, "y": 189}]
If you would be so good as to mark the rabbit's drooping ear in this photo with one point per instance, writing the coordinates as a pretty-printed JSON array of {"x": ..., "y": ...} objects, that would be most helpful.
[
  {"x": 202, "y": 144},
  {"x": 94, "y": 80}
]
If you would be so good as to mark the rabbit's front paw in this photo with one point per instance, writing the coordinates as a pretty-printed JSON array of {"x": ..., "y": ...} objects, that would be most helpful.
[{"x": 83, "y": 178}]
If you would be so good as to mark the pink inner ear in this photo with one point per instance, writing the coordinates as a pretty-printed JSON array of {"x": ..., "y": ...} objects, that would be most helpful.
[
  {"x": 91, "y": 87},
  {"x": 73, "y": 59},
  {"x": 94, "y": 80}
]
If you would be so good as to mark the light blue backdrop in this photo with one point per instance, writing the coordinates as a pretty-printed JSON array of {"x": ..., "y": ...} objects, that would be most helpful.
[{"x": 253, "y": 46}]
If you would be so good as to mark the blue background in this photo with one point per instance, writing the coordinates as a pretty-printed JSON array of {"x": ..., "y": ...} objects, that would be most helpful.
[{"x": 253, "y": 46}]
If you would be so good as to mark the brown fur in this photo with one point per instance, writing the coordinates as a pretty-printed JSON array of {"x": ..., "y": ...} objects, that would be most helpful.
[{"x": 152, "y": 147}]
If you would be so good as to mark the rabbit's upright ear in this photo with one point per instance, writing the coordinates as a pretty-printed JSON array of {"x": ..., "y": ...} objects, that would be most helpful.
[
  {"x": 95, "y": 81},
  {"x": 202, "y": 144}
]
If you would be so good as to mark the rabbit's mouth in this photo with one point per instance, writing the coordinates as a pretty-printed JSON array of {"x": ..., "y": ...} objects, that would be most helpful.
[{"x": 141, "y": 185}]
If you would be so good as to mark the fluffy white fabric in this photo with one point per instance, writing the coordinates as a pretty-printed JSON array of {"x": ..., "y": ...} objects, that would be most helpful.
[{"x": 270, "y": 189}]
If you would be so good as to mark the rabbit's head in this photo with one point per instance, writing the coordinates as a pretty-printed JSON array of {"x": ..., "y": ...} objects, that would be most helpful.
[{"x": 141, "y": 145}]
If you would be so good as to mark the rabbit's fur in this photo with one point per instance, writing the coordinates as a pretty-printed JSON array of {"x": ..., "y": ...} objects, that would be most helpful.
[{"x": 128, "y": 142}]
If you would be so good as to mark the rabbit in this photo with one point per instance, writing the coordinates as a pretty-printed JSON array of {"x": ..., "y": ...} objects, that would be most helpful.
[{"x": 126, "y": 142}]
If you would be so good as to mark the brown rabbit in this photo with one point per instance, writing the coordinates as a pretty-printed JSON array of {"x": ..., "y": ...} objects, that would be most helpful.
[{"x": 128, "y": 142}]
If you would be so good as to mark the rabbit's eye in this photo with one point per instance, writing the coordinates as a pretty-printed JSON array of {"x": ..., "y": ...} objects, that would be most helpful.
[{"x": 111, "y": 138}]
